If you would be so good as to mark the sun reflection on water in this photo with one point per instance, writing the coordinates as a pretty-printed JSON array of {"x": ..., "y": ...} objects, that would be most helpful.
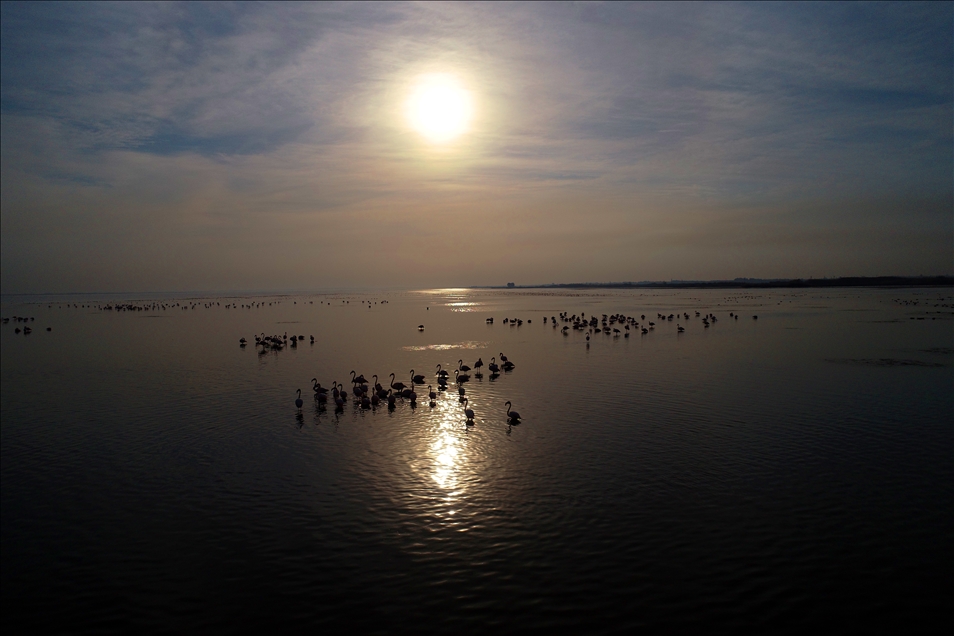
[
  {"x": 445, "y": 454},
  {"x": 447, "y": 448}
]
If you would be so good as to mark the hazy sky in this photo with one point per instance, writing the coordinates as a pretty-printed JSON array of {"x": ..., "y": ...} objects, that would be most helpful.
[{"x": 266, "y": 146}]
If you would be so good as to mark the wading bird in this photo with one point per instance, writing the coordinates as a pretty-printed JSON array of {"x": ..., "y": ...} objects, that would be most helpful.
[{"x": 513, "y": 416}]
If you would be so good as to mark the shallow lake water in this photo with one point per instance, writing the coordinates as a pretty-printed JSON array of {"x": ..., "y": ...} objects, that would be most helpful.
[{"x": 783, "y": 473}]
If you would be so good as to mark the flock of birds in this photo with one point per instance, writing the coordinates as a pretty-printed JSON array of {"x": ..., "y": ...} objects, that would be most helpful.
[
  {"x": 275, "y": 342},
  {"x": 611, "y": 324},
  {"x": 26, "y": 330},
  {"x": 371, "y": 394}
]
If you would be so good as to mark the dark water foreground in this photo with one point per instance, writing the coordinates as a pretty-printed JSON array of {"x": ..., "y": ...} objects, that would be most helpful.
[{"x": 784, "y": 474}]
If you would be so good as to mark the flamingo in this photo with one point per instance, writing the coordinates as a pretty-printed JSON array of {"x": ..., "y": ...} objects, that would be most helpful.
[
  {"x": 298, "y": 400},
  {"x": 391, "y": 399},
  {"x": 462, "y": 366},
  {"x": 468, "y": 412},
  {"x": 479, "y": 364},
  {"x": 441, "y": 373},
  {"x": 503, "y": 358},
  {"x": 460, "y": 377},
  {"x": 493, "y": 365},
  {"x": 513, "y": 416},
  {"x": 416, "y": 379},
  {"x": 397, "y": 386},
  {"x": 431, "y": 393}
]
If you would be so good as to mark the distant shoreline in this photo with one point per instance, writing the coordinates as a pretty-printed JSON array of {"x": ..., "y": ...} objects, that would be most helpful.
[{"x": 753, "y": 283}]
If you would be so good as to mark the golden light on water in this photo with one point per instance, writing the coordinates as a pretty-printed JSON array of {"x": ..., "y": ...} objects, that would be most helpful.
[
  {"x": 445, "y": 452},
  {"x": 439, "y": 108},
  {"x": 446, "y": 448}
]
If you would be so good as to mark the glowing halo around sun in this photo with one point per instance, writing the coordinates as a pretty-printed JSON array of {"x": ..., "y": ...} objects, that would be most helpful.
[{"x": 439, "y": 107}]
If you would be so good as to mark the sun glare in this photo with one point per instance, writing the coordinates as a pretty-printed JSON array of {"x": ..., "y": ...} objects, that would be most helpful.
[{"x": 439, "y": 107}]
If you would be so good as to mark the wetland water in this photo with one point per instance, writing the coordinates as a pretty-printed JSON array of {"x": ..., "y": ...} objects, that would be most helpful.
[{"x": 787, "y": 473}]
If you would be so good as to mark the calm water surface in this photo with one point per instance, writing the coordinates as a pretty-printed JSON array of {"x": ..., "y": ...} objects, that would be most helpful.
[{"x": 781, "y": 474}]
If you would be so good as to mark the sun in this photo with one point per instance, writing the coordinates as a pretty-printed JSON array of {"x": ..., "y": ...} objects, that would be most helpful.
[{"x": 439, "y": 107}]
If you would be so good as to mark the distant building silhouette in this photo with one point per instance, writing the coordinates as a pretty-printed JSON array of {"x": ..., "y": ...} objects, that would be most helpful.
[{"x": 510, "y": 284}]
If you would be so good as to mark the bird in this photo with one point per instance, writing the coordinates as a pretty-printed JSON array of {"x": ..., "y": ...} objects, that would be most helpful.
[
  {"x": 397, "y": 386},
  {"x": 493, "y": 365},
  {"x": 319, "y": 390},
  {"x": 479, "y": 364},
  {"x": 503, "y": 358},
  {"x": 469, "y": 413},
  {"x": 460, "y": 377},
  {"x": 462, "y": 366},
  {"x": 417, "y": 379},
  {"x": 298, "y": 400},
  {"x": 431, "y": 393},
  {"x": 441, "y": 372},
  {"x": 513, "y": 416}
]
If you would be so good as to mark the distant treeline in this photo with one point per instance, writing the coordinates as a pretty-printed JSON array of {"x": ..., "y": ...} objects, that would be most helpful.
[{"x": 750, "y": 283}]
